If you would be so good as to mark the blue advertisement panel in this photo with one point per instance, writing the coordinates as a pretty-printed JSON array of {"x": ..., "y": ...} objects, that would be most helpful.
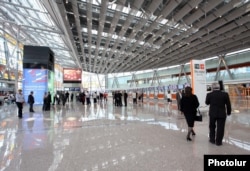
[{"x": 35, "y": 80}]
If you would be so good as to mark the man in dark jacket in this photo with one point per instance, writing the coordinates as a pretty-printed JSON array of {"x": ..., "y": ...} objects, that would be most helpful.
[
  {"x": 125, "y": 96},
  {"x": 220, "y": 107},
  {"x": 31, "y": 101}
]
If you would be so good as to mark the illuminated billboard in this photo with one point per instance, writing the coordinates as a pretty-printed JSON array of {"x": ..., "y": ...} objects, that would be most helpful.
[
  {"x": 39, "y": 81},
  {"x": 72, "y": 75}
]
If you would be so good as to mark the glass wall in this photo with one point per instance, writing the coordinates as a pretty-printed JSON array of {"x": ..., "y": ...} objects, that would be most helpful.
[
  {"x": 10, "y": 64},
  {"x": 93, "y": 82},
  {"x": 238, "y": 64}
]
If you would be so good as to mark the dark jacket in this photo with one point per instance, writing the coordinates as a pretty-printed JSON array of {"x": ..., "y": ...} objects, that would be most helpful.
[
  {"x": 189, "y": 105},
  {"x": 219, "y": 102},
  {"x": 31, "y": 99}
]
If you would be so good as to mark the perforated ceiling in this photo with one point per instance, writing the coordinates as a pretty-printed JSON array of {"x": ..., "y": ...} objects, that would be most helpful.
[{"x": 129, "y": 35}]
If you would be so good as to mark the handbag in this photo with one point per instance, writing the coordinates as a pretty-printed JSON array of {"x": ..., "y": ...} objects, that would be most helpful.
[{"x": 198, "y": 116}]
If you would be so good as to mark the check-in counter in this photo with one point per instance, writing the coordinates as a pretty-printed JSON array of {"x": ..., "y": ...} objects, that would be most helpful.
[{"x": 161, "y": 96}]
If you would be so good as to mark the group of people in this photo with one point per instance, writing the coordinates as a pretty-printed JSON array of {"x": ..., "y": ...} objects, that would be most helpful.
[
  {"x": 20, "y": 101},
  {"x": 119, "y": 95},
  {"x": 219, "y": 107},
  {"x": 218, "y": 101},
  {"x": 47, "y": 100},
  {"x": 85, "y": 97},
  {"x": 62, "y": 97}
]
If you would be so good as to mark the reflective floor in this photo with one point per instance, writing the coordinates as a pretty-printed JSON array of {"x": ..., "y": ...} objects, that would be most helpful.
[{"x": 148, "y": 136}]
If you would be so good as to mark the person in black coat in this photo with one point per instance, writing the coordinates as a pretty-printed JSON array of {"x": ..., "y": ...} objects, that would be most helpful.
[
  {"x": 189, "y": 105},
  {"x": 125, "y": 96},
  {"x": 45, "y": 101},
  {"x": 220, "y": 107},
  {"x": 31, "y": 101},
  {"x": 48, "y": 102}
]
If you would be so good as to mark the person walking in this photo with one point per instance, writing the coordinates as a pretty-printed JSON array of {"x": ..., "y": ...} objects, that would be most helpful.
[
  {"x": 45, "y": 101},
  {"x": 134, "y": 96},
  {"x": 178, "y": 99},
  {"x": 125, "y": 96},
  {"x": 82, "y": 97},
  {"x": 31, "y": 101},
  {"x": 189, "y": 105},
  {"x": 169, "y": 97},
  {"x": 220, "y": 107},
  {"x": 67, "y": 96},
  {"x": 87, "y": 95},
  {"x": 20, "y": 102},
  {"x": 72, "y": 97},
  {"x": 48, "y": 101},
  {"x": 64, "y": 98},
  {"x": 119, "y": 95},
  {"x": 95, "y": 97}
]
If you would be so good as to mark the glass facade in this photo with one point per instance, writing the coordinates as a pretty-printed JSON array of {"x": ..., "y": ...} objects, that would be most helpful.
[{"x": 237, "y": 63}]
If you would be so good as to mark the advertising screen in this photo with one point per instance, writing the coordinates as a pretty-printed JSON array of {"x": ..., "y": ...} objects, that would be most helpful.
[
  {"x": 35, "y": 80},
  {"x": 72, "y": 75}
]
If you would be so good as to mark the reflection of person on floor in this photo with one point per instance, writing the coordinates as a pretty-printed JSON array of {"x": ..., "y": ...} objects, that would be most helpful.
[
  {"x": 30, "y": 122},
  {"x": 220, "y": 107}
]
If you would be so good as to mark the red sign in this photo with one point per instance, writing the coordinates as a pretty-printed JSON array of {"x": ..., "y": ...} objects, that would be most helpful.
[{"x": 72, "y": 74}]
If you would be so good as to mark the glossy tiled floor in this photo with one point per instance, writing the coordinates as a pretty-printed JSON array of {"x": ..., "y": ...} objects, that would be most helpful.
[{"x": 143, "y": 137}]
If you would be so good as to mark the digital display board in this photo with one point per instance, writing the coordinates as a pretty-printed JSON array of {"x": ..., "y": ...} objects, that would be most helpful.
[
  {"x": 72, "y": 75},
  {"x": 35, "y": 80},
  {"x": 180, "y": 86},
  {"x": 173, "y": 87}
]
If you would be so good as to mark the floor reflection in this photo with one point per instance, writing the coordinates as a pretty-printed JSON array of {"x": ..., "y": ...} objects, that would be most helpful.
[{"x": 130, "y": 133}]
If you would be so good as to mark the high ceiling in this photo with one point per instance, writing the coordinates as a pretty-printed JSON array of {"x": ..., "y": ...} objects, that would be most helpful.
[{"x": 102, "y": 36}]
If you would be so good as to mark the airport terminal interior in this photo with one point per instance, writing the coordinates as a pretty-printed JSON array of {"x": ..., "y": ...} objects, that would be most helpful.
[
  {"x": 153, "y": 47},
  {"x": 149, "y": 135}
]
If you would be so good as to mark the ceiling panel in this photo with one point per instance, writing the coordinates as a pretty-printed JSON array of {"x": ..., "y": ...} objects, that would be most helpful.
[{"x": 116, "y": 36}]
